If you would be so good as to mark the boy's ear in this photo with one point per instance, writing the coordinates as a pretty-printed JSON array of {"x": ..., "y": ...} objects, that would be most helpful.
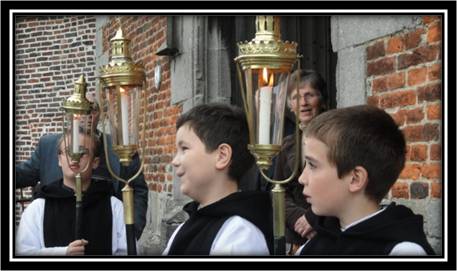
[
  {"x": 224, "y": 156},
  {"x": 95, "y": 162},
  {"x": 359, "y": 179}
]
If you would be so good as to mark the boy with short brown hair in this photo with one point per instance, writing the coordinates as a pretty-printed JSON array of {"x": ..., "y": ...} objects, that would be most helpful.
[
  {"x": 353, "y": 157},
  {"x": 211, "y": 157}
]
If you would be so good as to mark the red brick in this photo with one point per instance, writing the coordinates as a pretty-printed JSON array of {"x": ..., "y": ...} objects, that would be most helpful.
[
  {"x": 430, "y": 19},
  {"x": 429, "y": 93},
  {"x": 434, "y": 32},
  {"x": 411, "y": 171},
  {"x": 434, "y": 72},
  {"x": 413, "y": 39},
  {"x": 400, "y": 98},
  {"x": 400, "y": 190},
  {"x": 431, "y": 132},
  {"x": 381, "y": 66},
  {"x": 436, "y": 189},
  {"x": 419, "y": 133},
  {"x": 395, "y": 45},
  {"x": 418, "y": 56},
  {"x": 418, "y": 153},
  {"x": 435, "y": 152},
  {"x": 431, "y": 171},
  {"x": 433, "y": 111},
  {"x": 414, "y": 115},
  {"x": 395, "y": 80},
  {"x": 399, "y": 117},
  {"x": 373, "y": 100},
  {"x": 417, "y": 76},
  {"x": 379, "y": 85},
  {"x": 429, "y": 53}
]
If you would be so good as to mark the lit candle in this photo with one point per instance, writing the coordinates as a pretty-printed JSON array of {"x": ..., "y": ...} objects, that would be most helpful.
[
  {"x": 265, "y": 109},
  {"x": 75, "y": 145},
  {"x": 124, "y": 117}
]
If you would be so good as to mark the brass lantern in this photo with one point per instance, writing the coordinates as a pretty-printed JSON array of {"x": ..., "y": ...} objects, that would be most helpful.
[
  {"x": 122, "y": 84},
  {"x": 77, "y": 127},
  {"x": 264, "y": 65}
]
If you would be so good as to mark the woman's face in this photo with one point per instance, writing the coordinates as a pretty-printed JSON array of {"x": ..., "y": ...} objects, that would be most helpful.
[{"x": 308, "y": 105}]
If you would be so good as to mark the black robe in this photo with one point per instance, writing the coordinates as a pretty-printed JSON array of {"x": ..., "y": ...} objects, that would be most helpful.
[
  {"x": 374, "y": 236},
  {"x": 59, "y": 216},
  {"x": 198, "y": 233}
]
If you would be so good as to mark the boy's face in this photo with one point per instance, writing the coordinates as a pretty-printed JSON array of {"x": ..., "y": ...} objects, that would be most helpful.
[
  {"x": 324, "y": 190},
  {"x": 70, "y": 170},
  {"x": 308, "y": 105},
  {"x": 194, "y": 165}
]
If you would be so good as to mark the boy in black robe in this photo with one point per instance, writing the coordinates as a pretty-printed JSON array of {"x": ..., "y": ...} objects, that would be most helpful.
[
  {"x": 353, "y": 157},
  {"x": 211, "y": 157}
]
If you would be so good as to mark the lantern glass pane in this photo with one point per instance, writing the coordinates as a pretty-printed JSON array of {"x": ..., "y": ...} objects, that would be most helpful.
[
  {"x": 77, "y": 128},
  {"x": 123, "y": 109},
  {"x": 269, "y": 104}
]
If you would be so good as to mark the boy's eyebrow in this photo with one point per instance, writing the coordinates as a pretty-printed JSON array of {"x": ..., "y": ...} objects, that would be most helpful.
[
  {"x": 308, "y": 158},
  {"x": 180, "y": 142}
]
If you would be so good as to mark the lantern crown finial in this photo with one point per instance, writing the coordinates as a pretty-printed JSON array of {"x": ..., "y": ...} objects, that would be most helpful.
[
  {"x": 267, "y": 28},
  {"x": 77, "y": 103},
  {"x": 121, "y": 69},
  {"x": 267, "y": 49}
]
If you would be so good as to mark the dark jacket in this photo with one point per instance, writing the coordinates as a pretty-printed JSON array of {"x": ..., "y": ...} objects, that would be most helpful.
[
  {"x": 374, "y": 236},
  {"x": 296, "y": 204},
  {"x": 197, "y": 234},
  {"x": 43, "y": 167}
]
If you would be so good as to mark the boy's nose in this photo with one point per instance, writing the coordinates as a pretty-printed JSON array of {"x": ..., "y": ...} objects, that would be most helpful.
[
  {"x": 174, "y": 162},
  {"x": 302, "y": 179}
]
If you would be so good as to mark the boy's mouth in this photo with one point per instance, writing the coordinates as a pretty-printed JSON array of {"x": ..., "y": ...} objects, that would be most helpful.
[{"x": 74, "y": 167}]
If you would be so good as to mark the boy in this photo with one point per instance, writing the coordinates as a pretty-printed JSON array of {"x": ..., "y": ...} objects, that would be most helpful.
[
  {"x": 353, "y": 157},
  {"x": 211, "y": 156},
  {"x": 47, "y": 224}
]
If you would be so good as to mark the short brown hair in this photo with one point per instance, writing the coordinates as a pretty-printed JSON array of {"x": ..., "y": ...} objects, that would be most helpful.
[
  {"x": 362, "y": 136},
  {"x": 218, "y": 123}
]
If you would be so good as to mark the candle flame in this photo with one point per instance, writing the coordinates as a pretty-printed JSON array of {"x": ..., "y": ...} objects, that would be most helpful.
[{"x": 265, "y": 77}]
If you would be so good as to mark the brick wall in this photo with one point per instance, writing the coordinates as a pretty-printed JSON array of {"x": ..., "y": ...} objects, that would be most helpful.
[
  {"x": 51, "y": 52},
  {"x": 404, "y": 78},
  {"x": 147, "y": 34}
]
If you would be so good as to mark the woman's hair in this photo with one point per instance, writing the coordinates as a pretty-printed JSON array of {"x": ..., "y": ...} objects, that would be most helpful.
[{"x": 314, "y": 79}]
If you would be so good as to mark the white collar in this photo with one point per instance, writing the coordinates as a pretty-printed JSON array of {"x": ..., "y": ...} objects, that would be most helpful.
[{"x": 363, "y": 219}]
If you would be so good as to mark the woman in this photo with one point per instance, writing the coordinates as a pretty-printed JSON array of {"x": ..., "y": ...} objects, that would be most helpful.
[{"x": 311, "y": 102}]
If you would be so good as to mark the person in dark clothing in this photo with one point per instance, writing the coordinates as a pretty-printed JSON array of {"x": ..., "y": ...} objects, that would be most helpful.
[
  {"x": 394, "y": 226},
  {"x": 211, "y": 156},
  {"x": 47, "y": 226},
  {"x": 311, "y": 102},
  {"x": 42, "y": 168},
  {"x": 353, "y": 157}
]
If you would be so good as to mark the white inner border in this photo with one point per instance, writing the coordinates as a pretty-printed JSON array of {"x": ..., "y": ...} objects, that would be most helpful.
[{"x": 326, "y": 12}]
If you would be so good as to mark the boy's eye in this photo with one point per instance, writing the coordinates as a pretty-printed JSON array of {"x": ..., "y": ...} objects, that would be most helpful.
[{"x": 310, "y": 165}]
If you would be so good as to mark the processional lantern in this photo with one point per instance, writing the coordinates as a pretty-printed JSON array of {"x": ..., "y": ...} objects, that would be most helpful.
[
  {"x": 264, "y": 65},
  {"x": 122, "y": 87},
  {"x": 77, "y": 137}
]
